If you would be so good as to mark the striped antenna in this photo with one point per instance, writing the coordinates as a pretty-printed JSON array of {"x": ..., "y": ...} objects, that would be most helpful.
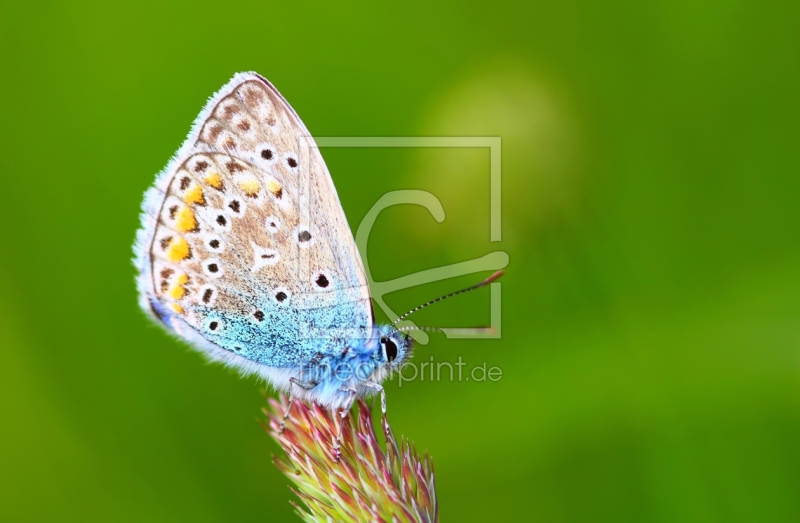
[
  {"x": 484, "y": 283},
  {"x": 474, "y": 331}
]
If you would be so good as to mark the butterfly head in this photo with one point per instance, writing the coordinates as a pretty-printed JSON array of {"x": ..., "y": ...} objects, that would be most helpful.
[{"x": 395, "y": 348}]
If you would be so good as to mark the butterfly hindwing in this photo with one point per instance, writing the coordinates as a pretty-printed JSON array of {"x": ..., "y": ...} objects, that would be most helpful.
[{"x": 245, "y": 246}]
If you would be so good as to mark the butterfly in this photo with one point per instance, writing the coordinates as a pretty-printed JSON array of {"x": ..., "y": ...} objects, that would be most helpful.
[{"x": 244, "y": 251}]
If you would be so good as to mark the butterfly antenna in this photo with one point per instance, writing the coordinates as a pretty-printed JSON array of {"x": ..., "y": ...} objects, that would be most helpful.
[
  {"x": 484, "y": 283},
  {"x": 410, "y": 328},
  {"x": 474, "y": 331}
]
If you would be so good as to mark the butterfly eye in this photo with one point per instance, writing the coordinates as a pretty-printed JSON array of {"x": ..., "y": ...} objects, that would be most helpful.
[{"x": 390, "y": 349}]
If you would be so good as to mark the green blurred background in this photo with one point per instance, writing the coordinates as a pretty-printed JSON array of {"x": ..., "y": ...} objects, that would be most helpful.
[{"x": 651, "y": 308}]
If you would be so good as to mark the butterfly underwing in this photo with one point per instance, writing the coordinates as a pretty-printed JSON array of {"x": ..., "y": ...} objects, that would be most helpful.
[{"x": 244, "y": 252}]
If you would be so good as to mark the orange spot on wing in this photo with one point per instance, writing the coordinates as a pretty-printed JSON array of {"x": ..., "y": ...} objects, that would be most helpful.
[
  {"x": 185, "y": 220},
  {"x": 177, "y": 292},
  {"x": 178, "y": 250},
  {"x": 195, "y": 196},
  {"x": 177, "y": 308},
  {"x": 214, "y": 179},
  {"x": 250, "y": 187},
  {"x": 275, "y": 188}
]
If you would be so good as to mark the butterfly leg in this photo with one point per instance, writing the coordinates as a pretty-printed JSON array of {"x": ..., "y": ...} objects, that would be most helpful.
[
  {"x": 387, "y": 430},
  {"x": 352, "y": 393},
  {"x": 286, "y": 415},
  {"x": 379, "y": 388},
  {"x": 337, "y": 445},
  {"x": 303, "y": 385},
  {"x": 307, "y": 385}
]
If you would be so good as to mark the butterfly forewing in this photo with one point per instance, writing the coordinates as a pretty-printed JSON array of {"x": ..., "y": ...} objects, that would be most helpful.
[{"x": 246, "y": 238}]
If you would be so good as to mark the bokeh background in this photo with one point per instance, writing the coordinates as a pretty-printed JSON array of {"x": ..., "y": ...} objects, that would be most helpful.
[{"x": 651, "y": 307}]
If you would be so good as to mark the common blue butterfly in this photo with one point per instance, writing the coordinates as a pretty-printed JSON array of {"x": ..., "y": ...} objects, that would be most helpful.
[{"x": 244, "y": 251}]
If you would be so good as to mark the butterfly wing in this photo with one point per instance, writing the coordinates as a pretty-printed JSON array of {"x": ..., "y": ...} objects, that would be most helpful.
[{"x": 244, "y": 248}]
